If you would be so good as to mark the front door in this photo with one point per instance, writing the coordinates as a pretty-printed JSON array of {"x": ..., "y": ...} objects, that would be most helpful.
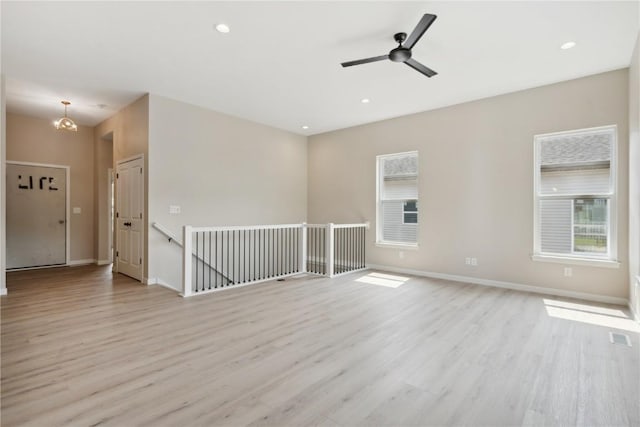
[
  {"x": 36, "y": 215},
  {"x": 129, "y": 214}
]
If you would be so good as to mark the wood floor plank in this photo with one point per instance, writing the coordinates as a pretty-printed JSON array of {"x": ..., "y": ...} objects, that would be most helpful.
[{"x": 82, "y": 346}]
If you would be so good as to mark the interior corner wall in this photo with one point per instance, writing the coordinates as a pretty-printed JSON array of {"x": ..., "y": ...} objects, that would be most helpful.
[
  {"x": 35, "y": 140},
  {"x": 130, "y": 130},
  {"x": 476, "y": 181},
  {"x": 103, "y": 162},
  {"x": 634, "y": 181},
  {"x": 3, "y": 156},
  {"x": 221, "y": 171}
]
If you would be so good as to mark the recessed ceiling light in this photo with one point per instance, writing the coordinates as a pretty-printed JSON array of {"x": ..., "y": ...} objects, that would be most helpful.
[
  {"x": 305, "y": 127},
  {"x": 365, "y": 100},
  {"x": 223, "y": 28},
  {"x": 567, "y": 45}
]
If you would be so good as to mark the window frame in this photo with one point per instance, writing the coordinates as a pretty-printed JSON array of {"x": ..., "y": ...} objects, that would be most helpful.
[
  {"x": 379, "y": 226},
  {"x": 404, "y": 212},
  {"x": 611, "y": 258}
]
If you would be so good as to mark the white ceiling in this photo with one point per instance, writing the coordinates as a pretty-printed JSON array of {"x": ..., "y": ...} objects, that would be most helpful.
[{"x": 280, "y": 64}]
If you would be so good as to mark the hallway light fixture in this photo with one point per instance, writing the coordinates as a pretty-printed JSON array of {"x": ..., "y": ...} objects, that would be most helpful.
[{"x": 65, "y": 123}]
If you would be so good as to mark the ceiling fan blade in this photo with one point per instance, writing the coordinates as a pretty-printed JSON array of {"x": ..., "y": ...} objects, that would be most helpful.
[
  {"x": 420, "y": 29},
  {"x": 419, "y": 67},
  {"x": 365, "y": 61}
]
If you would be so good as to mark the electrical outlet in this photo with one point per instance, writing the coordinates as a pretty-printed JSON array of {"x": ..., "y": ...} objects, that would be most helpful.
[
  {"x": 467, "y": 261},
  {"x": 174, "y": 209},
  {"x": 474, "y": 261},
  {"x": 568, "y": 272}
]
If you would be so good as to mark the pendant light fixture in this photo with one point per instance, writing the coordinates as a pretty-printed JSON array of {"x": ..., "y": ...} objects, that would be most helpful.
[{"x": 65, "y": 123}]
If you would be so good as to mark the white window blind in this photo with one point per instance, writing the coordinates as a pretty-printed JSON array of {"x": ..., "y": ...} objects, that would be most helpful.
[
  {"x": 585, "y": 181},
  {"x": 575, "y": 193},
  {"x": 401, "y": 189}
]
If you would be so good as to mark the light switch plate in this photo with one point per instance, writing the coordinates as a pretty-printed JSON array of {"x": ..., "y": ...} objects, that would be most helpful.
[
  {"x": 174, "y": 209},
  {"x": 77, "y": 210}
]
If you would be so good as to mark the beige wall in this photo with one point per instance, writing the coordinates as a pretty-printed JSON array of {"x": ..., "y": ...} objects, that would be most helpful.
[
  {"x": 220, "y": 170},
  {"x": 36, "y": 140},
  {"x": 476, "y": 181},
  {"x": 129, "y": 130},
  {"x": 634, "y": 180},
  {"x": 103, "y": 162}
]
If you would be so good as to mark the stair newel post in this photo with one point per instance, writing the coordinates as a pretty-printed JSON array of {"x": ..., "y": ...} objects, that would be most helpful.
[
  {"x": 329, "y": 249},
  {"x": 187, "y": 251},
  {"x": 303, "y": 248}
]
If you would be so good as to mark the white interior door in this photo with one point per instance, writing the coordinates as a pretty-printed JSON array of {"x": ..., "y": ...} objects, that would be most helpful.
[
  {"x": 36, "y": 215},
  {"x": 129, "y": 214}
]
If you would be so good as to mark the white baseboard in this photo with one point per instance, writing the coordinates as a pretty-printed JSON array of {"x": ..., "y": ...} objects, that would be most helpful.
[
  {"x": 103, "y": 262},
  {"x": 506, "y": 285},
  {"x": 76, "y": 262},
  {"x": 3, "y": 291},
  {"x": 149, "y": 281},
  {"x": 634, "y": 313}
]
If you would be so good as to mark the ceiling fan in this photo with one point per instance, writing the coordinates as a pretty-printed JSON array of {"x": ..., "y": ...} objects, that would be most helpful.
[{"x": 402, "y": 53}]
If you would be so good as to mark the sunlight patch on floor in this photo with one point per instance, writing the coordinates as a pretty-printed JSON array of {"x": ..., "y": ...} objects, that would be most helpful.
[
  {"x": 586, "y": 307},
  {"x": 592, "y": 315},
  {"x": 380, "y": 279}
]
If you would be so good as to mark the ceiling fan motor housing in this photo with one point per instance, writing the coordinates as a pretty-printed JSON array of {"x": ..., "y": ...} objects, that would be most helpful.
[{"x": 400, "y": 54}]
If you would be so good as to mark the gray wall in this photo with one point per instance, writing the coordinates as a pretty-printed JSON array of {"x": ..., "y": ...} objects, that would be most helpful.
[
  {"x": 220, "y": 170},
  {"x": 476, "y": 181}
]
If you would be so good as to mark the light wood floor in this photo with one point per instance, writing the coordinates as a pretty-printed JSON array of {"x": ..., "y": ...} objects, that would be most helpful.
[{"x": 83, "y": 347}]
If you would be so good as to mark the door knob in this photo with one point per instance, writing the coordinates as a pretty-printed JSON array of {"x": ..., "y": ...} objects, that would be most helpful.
[{"x": 61, "y": 221}]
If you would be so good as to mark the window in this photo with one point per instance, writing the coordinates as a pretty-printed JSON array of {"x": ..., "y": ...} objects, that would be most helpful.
[
  {"x": 575, "y": 191},
  {"x": 397, "y": 199},
  {"x": 410, "y": 212}
]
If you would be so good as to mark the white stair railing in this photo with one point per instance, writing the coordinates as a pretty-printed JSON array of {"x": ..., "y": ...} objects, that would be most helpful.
[
  {"x": 218, "y": 258},
  {"x": 167, "y": 233}
]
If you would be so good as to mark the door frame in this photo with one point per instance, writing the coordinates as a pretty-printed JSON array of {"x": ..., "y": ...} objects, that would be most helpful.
[
  {"x": 67, "y": 223},
  {"x": 111, "y": 210},
  {"x": 117, "y": 206}
]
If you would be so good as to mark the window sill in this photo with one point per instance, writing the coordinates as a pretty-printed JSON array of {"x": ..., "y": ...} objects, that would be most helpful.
[
  {"x": 392, "y": 245},
  {"x": 607, "y": 263}
]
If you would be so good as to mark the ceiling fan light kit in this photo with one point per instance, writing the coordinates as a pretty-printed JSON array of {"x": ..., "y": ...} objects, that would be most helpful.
[{"x": 402, "y": 53}]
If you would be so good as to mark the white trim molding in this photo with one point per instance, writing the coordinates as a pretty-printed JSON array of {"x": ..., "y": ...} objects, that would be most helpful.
[
  {"x": 103, "y": 262},
  {"x": 152, "y": 281},
  {"x": 595, "y": 262},
  {"x": 3, "y": 291},
  {"x": 634, "y": 313},
  {"x": 77, "y": 262},
  {"x": 398, "y": 246},
  {"x": 505, "y": 285}
]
